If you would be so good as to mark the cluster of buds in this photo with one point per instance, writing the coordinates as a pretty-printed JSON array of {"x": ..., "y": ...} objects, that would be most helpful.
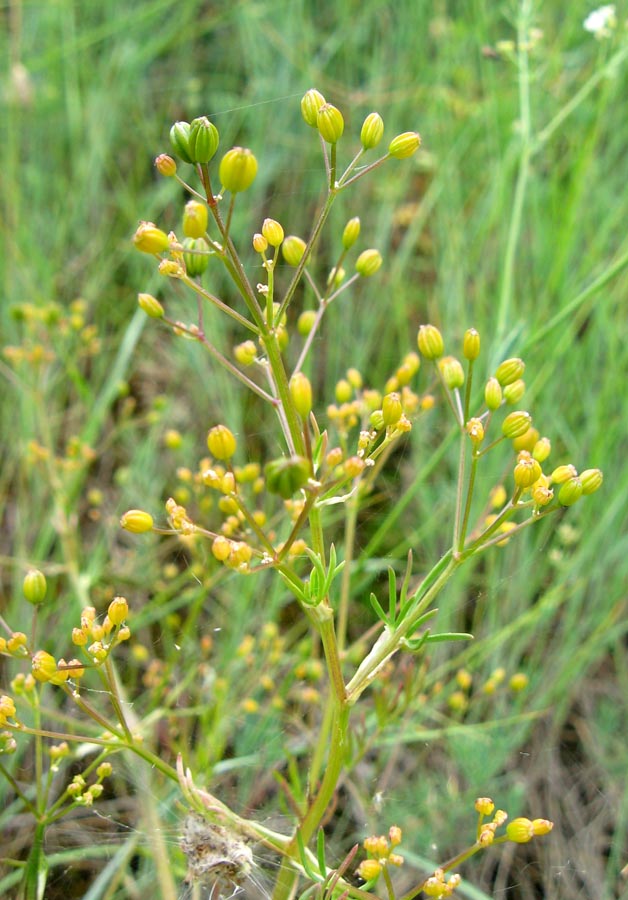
[
  {"x": 83, "y": 794},
  {"x": 519, "y": 830},
  {"x": 438, "y": 885},
  {"x": 329, "y": 122},
  {"x": 380, "y": 850},
  {"x": 99, "y": 638},
  {"x": 8, "y": 744},
  {"x": 507, "y": 387}
]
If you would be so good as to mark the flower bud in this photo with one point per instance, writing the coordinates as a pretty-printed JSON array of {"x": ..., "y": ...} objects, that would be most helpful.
[
  {"x": 484, "y": 805},
  {"x": 151, "y": 306},
  {"x": 166, "y": 165},
  {"x": 221, "y": 548},
  {"x": 368, "y": 263},
  {"x": 570, "y": 492},
  {"x": 516, "y": 423},
  {"x": 245, "y": 353},
  {"x": 238, "y": 169},
  {"x": 526, "y": 441},
  {"x": 195, "y": 219},
  {"x": 7, "y": 708},
  {"x": 493, "y": 394},
  {"x": 221, "y": 442},
  {"x": 287, "y": 475},
  {"x": 195, "y": 257},
  {"x": 510, "y": 370},
  {"x": 260, "y": 244},
  {"x": 136, "y": 521},
  {"x": 273, "y": 232},
  {"x": 354, "y": 466},
  {"x": 330, "y": 123},
  {"x": 118, "y": 610},
  {"x": 475, "y": 430},
  {"x": 311, "y": 102},
  {"x": 564, "y": 473},
  {"x": 202, "y": 140},
  {"x": 369, "y": 869},
  {"x": 527, "y": 470},
  {"x": 452, "y": 372},
  {"x": 520, "y": 831},
  {"x": 179, "y": 140},
  {"x": 43, "y": 665},
  {"x": 150, "y": 239},
  {"x": 542, "y": 826},
  {"x": 391, "y": 409},
  {"x": 305, "y": 322},
  {"x": 542, "y": 449},
  {"x": 372, "y": 131},
  {"x": 293, "y": 249},
  {"x": 591, "y": 480},
  {"x": 351, "y": 233},
  {"x": 430, "y": 342},
  {"x": 301, "y": 393},
  {"x": 514, "y": 392},
  {"x": 34, "y": 586},
  {"x": 471, "y": 344},
  {"x": 404, "y": 145}
]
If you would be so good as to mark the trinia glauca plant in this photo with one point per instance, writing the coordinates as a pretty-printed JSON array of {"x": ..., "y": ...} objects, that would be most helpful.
[{"x": 277, "y": 514}]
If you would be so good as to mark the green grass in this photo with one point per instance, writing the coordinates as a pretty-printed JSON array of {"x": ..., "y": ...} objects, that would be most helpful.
[{"x": 518, "y": 233}]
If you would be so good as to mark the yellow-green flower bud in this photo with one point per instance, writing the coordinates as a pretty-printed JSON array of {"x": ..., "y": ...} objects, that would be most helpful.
[
  {"x": 372, "y": 131},
  {"x": 570, "y": 492},
  {"x": 305, "y": 322},
  {"x": 301, "y": 393},
  {"x": 7, "y": 708},
  {"x": 330, "y": 123},
  {"x": 391, "y": 409},
  {"x": 179, "y": 140},
  {"x": 136, "y": 521},
  {"x": 150, "y": 239},
  {"x": 238, "y": 169},
  {"x": 221, "y": 442},
  {"x": 369, "y": 869},
  {"x": 293, "y": 249},
  {"x": 195, "y": 219},
  {"x": 287, "y": 475},
  {"x": 430, "y": 342},
  {"x": 376, "y": 420},
  {"x": 43, "y": 666},
  {"x": 493, "y": 394},
  {"x": 514, "y": 392},
  {"x": 311, "y": 102},
  {"x": 221, "y": 548},
  {"x": 542, "y": 449},
  {"x": 475, "y": 430},
  {"x": 151, "y": 306},
  {"x": 118, "y": 610},
  {"x": 166, "y": 165},
  {"x": 591, "y": 480},
  {"x": 564, "y": 473},
  {"x": 484, "y": 805},
  {"x": 368, "y": 263},
  {"x": 343, "y": 391},
  {"x": 104, "y": 770},
  {"x": 520, "y": 831},
  {"x": 527, "y": 470},
  {"x": 260, "y": 244},
  {"x": 34, "y": 586},
  {"x": 404, "y": 145},
  {"x": 245, "y": 353},
  {"x": 541, "y": 826},
  {"x": 202, "y": 140},
  {"x": 351, "y": 233},
  {"x": 273, "y": 232},
  {"x": 452, "y": 372},
  {"x": 196, "y": 256},
  {"x": 516, "y": 423},
  {"x": 471, "y": 344},
  {"x": 510, "y": 370}
]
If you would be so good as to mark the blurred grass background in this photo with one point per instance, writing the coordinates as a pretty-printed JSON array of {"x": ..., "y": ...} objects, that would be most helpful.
[{"x": 88, "y": 95}]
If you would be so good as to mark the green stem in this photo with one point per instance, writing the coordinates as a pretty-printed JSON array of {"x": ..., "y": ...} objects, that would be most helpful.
[
  {"x": 467, "y": 506},
  {"x": 351, "y": 517}
]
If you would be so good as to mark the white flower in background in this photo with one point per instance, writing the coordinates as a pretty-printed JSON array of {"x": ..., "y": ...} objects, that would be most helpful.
[{"x": 601, "y": 21}]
